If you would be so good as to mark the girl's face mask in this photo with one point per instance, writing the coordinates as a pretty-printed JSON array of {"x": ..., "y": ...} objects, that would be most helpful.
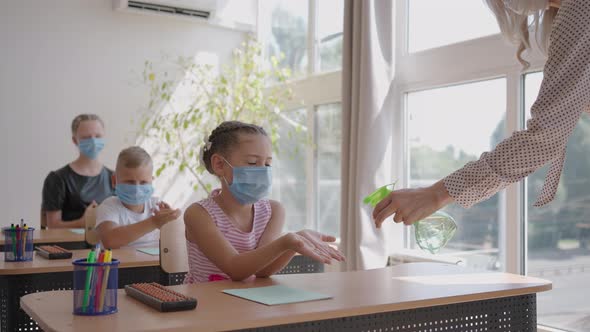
[{"x": 250, "y": 183}]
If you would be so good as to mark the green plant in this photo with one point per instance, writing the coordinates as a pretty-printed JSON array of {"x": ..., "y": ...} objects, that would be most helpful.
[{"x": 182, "y": 111}]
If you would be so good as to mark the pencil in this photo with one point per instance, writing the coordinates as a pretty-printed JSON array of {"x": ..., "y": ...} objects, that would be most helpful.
[
  {"x": 18, "y": 235},
  {"x": 91, "y": 259},
  {"x": 99, "y": 273},
  {"x": 105, "y": 279},
  {"x": 13, "y": 231},
  {"x": 26, "y": 230}
]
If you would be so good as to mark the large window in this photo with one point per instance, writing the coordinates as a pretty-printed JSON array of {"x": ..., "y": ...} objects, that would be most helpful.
[
  {"x": 434, "y": 23},
  {"x": 450, "y": 120},
  {"x": 329, "y": 32},
  {"x": 306, "y": 37},
  {"x": 559, "y": 233},
  {"x": 329, "y": 136},
  {"x": 289, "y": 174},
  {"x": 285, "y": 32},
  {"x": 437, "y": 148},
  {"x": 309, "y": 187}
]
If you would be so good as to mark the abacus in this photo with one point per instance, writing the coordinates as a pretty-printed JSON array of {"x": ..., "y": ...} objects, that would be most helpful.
[
  {"x": 160, "y": 297},
  {"x": 53, "y": 252}
]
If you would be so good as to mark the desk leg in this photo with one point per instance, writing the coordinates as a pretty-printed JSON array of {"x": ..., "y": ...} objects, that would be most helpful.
[{"x": 510, "y": 314}]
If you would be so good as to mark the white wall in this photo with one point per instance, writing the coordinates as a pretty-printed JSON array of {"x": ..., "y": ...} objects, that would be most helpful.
[{"x": 59, "y": 58}]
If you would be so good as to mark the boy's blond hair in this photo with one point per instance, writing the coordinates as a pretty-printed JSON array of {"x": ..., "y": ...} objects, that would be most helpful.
[{"x": 133, "y": 157}]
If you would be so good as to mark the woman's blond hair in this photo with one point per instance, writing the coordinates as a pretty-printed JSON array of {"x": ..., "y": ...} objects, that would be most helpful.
[
  {"x": 84, "y": 117},
  {"x": 517, "y": 29}
]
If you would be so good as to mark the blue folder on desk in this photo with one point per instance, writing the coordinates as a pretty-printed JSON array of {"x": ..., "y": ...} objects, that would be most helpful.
[{"x": 273, "y": 295}]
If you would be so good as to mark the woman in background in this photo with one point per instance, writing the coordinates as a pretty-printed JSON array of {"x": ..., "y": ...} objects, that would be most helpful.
[{"x": 82, "y": 184}]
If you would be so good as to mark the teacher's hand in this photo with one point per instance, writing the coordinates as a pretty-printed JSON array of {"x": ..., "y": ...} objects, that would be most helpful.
[{"x": 411, "y": 205}]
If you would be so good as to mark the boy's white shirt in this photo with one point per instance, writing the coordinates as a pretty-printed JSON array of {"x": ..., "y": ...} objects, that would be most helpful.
[{"x": 111, "y": 209}]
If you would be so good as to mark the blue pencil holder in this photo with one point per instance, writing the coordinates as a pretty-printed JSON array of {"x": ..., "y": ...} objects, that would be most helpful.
[
  {"x": 95, "y": 287},
  {"x": 18, "y": 244}
]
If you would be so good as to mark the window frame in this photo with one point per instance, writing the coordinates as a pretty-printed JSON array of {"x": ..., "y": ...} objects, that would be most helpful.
[
  {"x": 489, "y": 57},
  {"x": 311, "y": 91}
]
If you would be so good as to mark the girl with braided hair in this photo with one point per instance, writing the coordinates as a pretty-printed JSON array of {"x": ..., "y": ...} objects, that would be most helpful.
[{"x": 236, "y": 233}]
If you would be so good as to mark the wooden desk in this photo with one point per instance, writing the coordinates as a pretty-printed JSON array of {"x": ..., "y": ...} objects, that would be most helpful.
[
  {"x": 129, "y": 258},
  {"x": 62, "y": 237},
  {"x": 40, "y": 274},
  {"x": 409, "y": 298}
]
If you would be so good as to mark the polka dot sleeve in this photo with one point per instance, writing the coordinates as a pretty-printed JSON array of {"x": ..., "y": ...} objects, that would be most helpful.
[{"x": 564, "y": 95}]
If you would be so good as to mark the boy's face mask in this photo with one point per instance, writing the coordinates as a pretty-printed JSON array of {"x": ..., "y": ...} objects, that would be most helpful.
[
  {"x": 134, "y": 194},
  {"x": 91, "y": 147},
  {"x": 526, "y": 7},
  {"x": 250, "y": 183}
]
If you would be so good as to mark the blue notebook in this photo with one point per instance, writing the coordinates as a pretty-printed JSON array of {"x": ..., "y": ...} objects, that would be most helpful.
[{"x": 273, "y": 295}]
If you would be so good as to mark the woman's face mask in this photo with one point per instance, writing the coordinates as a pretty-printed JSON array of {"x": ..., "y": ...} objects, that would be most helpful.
[
  {"x": 91, "y": 147},
  {"x": 526, "y": 7}
]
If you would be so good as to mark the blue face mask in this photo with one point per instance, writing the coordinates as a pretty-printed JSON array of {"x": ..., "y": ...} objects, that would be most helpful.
[
  {"x": 91, "y": 147},
  {"x": 250, "y": 184},
  {"x": 134, "y": 194}
]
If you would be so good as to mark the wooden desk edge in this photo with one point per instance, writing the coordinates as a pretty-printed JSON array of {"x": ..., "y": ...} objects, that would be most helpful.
[
  {"x": 383, "y": 308},
  {"x": 69, "y": 268},
  {"x": 49, "y": 269},
  {"x": 36, "y": 270},
  {"x": 33, "y": 315},
  {"x": 335, "y": 314}
]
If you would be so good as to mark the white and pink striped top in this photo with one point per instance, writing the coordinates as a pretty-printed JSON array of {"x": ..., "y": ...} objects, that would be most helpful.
[{"x": 203, "y": 270}]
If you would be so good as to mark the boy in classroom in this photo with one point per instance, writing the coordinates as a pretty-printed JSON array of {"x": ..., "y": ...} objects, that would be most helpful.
[{"x": 133, "y": 217}]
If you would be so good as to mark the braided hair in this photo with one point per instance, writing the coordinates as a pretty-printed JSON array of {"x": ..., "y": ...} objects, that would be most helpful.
[{"x": 225, "y": 137}]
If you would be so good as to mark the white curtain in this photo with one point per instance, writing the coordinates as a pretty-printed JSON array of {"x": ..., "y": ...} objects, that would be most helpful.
[{"x": 368, "y": 115}]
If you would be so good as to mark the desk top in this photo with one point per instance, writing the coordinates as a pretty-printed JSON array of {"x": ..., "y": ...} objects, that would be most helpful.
[
  {"x": 53, "y": 236},
  {"x": 401, "y": 287},
  {"x": 129, "y": 257}
]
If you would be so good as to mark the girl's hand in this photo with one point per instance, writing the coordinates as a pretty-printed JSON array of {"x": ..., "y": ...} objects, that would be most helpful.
[
  {"x": 314, "y": 245},
  {"x": 411, "y": 205}
]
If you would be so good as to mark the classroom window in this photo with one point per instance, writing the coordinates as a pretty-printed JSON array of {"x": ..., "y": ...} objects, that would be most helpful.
[
  {"x": 504, "y": 232},
  {"x": 559, "y": 233},
  {"x": 289, "y": 174},
  {"x": 306, "y": 170},
  {"x": 434, "y": 23},
  {"x": 285, "y": 32},
  {"x": 448, "y": 127},
  {"x": 308, "y": 34},
  {"x": 329, "y": 34},
  {"x": 328, "y": 137}
]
